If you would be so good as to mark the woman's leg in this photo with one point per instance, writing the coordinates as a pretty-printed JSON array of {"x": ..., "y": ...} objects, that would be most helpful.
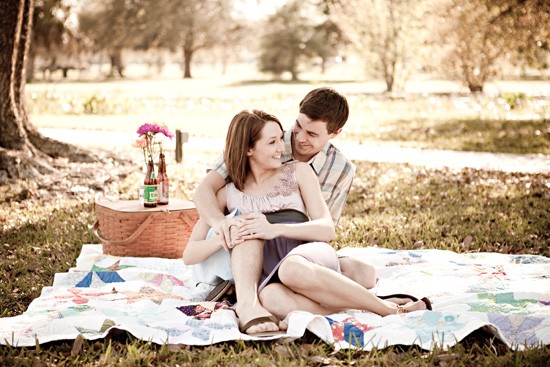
[
  {"x": 332, "y": 289},
  {"x": 280, "y": 301},
  {"x": 246, "y": 265}
]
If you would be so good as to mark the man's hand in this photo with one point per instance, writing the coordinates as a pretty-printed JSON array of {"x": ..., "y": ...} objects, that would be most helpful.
[
  {"x": 227, "y": 229},
  {"x": 254, "y": 226}
]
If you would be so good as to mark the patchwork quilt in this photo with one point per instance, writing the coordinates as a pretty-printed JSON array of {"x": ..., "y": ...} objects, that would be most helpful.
[{"x": 507, "y": 296}]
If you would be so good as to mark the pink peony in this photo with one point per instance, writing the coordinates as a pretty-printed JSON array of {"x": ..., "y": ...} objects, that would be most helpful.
[
  {"x": 166, "y": 132},
  {"x": 139, "y": 143},
  {"x": 148, "y": 142}
]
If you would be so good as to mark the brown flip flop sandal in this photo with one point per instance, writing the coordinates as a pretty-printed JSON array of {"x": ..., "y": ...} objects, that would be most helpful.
[
  {"x": 218, "y": 291},
  {"x": 259, "y": 320},
  {"x": 408, "y": 296}
]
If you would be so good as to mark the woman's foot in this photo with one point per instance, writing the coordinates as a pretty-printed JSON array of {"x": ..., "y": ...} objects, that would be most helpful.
[
  {"x": 412, "y": 306},
  {"x": 257, "y": 320}
]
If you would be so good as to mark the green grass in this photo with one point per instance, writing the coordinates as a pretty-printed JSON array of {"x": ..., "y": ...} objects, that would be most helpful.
[
  {"x": 44, "y": 224},
  {"x": 391, "y": 205},
  {"x": 395, "y": 205},
  {"x": 488, "y": 123}
]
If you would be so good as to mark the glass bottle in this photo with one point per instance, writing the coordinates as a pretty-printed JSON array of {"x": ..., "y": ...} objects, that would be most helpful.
[
  {"x": 150, "y": 189},
  {"x": 163, "y": 182},
  {"x": 141, "y": 193}
]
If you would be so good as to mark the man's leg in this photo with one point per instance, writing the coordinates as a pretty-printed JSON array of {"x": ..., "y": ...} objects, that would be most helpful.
[
  {"x": 359, "y": 271},
  {"x": 246, "y": 265},
  {"x": 280, "y": 301},
  {"x": 365, "y": 274}
]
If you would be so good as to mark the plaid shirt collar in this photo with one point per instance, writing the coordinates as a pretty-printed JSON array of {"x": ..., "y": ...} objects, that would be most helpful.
[{"x": 317, "y": 162}]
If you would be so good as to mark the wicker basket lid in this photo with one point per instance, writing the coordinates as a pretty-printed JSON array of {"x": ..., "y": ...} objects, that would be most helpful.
[{"x": 136, "y": 206}]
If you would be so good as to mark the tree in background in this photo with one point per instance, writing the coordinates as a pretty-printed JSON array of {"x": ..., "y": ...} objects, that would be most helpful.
[
  {"x": 532, "y": 28},
  {"x": 473, "y": 36},
  {"x": 283, "y": 45},
  {"x": 326, "y": 41},
  {"x": 190, "y": 25},
  {"x": 53, "y": 34},
  {"x": 386, "y": 34},
  {"x": 294, "y": 35},
  {"x": 24, "y": 152},
  {"x": 476, "y": 36},
  {"x": 113, "y": 26}
]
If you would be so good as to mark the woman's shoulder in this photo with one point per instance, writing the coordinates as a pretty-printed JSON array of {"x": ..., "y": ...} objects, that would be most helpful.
[
  {"x": 302, "y": 167},
  {"x": 295, "y": 165}
]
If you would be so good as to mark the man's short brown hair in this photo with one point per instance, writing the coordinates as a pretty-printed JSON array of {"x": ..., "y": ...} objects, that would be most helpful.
[{"x": 326, "y": 104}]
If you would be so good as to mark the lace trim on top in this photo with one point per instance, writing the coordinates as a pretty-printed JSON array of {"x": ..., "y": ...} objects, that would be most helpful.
[{"x": 286, "y": 184}]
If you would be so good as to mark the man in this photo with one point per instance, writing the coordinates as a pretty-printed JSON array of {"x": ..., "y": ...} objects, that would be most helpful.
[{"x": 323, "y": 113}]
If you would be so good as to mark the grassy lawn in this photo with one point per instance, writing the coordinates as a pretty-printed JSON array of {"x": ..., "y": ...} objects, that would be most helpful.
[
  {"x": 499, "y": 121},
  {"x": 43, "y": 225},
  {"x": 392, "y": 205}
]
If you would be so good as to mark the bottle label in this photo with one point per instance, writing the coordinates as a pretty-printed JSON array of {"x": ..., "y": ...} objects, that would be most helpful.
[
  {"x": 150, "y": 193},
  {"x": 141, "y": 193},
  {"x": 163, "y": 194}
]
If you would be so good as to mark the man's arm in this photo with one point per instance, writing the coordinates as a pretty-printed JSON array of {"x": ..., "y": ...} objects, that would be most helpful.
[
  {"x": 339, "y": 196},
  {"x": 207, "y": 204}
]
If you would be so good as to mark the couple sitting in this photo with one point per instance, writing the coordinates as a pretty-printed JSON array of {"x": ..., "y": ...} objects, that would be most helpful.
[{"x": 280, "y": 220}]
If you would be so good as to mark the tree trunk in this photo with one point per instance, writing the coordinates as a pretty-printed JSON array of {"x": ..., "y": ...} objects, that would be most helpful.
[
  {"x": 475, "y": 87},
  {"x": 116, "y": 63},
  {"x": 30, "y": 67},
  {"x": 187, "y": 54},
  {"x": 20, "y": 154}
]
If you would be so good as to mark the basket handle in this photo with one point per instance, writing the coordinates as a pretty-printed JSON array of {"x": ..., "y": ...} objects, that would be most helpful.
[
  {"x": 130, "y": 239},
  {"x": 138, "y": 231}
]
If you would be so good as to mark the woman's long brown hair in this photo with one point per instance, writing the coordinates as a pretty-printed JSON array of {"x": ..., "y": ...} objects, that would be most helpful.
[{"x": 244, "y": 131}]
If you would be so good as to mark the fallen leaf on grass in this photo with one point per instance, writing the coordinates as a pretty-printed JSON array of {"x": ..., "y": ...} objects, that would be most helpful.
[
  {"x": 283, "y": 351},
  {"x": 77, "y": 345},
  {"x": 323, "y": 360}
]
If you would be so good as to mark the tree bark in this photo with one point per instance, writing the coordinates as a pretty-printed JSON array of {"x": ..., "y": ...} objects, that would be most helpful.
[
  {"x": 115, "y": 56},
  {"x": 20, "y": 142},
  {"x": 187, "y": 54}
]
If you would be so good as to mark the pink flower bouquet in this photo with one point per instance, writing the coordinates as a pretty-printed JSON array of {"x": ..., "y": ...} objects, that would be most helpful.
[{"x": 151, "y": 139}]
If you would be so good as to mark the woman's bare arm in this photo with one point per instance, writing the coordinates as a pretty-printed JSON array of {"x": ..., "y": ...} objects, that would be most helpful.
[{"x": 319, "y": 228}]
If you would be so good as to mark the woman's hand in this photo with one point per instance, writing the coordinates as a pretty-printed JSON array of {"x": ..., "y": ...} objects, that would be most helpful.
[{"x": 254, "y": 226}]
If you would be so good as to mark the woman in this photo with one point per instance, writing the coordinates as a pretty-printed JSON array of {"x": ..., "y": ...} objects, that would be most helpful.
[{"x": 300, "y": 270}]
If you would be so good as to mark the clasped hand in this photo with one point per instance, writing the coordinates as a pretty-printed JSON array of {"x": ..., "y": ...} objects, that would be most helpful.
[{"x": 246, "y": 227}]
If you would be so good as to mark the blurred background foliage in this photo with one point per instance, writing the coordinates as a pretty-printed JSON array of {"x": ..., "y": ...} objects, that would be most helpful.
[{"x": 469, "y": 41}]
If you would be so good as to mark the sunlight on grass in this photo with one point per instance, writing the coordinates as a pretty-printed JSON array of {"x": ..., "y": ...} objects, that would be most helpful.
[
  {"x": 391, "y": 205},
  {"x": 44, "y": 224},
  {"x": 493, "y": 123},
  {"x": 401, "y": 206}
]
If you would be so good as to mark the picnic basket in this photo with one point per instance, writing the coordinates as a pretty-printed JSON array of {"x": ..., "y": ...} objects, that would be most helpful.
[{"x": 129, "y": 229}]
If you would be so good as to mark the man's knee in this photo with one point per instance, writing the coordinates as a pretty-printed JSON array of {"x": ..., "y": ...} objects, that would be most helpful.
[
  {"x": 273, "y": 298},
  {"x": 359, "y": 271}
]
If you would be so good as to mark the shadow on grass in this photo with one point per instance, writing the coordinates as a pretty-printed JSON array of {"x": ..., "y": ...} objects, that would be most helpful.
[
  {"x": 32, "y": 253},
  {"x": 250, "y": 82},
  {"x": 503, "y": 136}
]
